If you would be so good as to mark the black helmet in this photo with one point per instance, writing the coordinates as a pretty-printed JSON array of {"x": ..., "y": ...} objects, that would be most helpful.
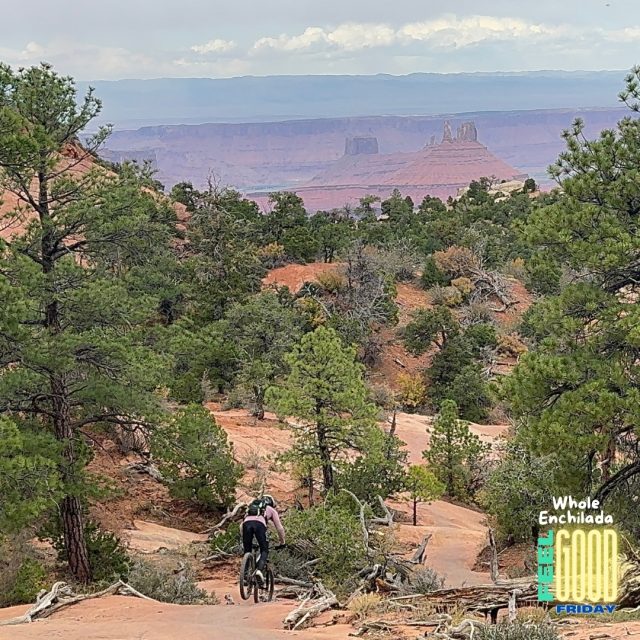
[{"x": 269, "y": 501}]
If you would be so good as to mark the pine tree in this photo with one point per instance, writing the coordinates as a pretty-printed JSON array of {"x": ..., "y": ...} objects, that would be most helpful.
[
  {"x": 196, "y": 458},
  {"x": 326, "y": 397},
  {"x": 453, "y": 450},
  {"x": 74, "y": 355},
  {"x": 577, "y": 394},
  {"x": 422, "y": 486},
  {"x": 263, "y": 330}
]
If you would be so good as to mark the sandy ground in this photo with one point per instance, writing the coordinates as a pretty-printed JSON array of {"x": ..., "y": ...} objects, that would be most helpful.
[{"x": 295, "y": 275}]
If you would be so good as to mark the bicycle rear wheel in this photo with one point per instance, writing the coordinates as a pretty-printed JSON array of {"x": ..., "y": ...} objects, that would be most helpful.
[
  {"x": 247, "y": 569},
  {"x": 264, "y": 592}
]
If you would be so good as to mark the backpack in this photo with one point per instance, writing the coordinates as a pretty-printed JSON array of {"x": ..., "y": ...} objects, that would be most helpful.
[{"x": 257, "y": 507}]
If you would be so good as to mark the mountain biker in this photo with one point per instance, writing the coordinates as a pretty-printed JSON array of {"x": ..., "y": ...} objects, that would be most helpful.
[{"x": 259, "y": 513}]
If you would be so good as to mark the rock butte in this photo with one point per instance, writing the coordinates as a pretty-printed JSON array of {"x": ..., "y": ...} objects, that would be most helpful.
[{"x": 439, "y": 169}]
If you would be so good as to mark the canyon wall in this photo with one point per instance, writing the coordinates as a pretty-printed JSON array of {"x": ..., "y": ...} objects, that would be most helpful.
[{"x": 264, "y": 156}]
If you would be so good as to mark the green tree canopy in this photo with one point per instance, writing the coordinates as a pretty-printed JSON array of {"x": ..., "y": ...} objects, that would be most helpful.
[
  {"x": 72, "y": 350},
  {"x": 453, "y": 451},
  {"x": 325, "y": 396},
  {"x": 263, "y": 331},
  {"x": 196, "y": 458},
  {"x": 577, "y": 394},
  {"x": 422, "y": 486}
]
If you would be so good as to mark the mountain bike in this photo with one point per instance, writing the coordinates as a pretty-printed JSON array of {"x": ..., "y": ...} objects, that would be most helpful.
[{"x": 249, "y": 584}]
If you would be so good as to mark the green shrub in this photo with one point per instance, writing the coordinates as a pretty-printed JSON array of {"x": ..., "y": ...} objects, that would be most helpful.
[
  {"x": 196, "y": 458},
  {"x": 290, "y": 563},
  {"x": 378, "y": 471},
  {"x": 107, "y": 556},
  {"x": 228, "y": 541},
  {"x": 166, "y": 585},
  {"x": 27, "y": 582},
  {"x": 332, "y": 534},
  {"x": 432, "y": 276},
  {"x": 518, "y": 631}
]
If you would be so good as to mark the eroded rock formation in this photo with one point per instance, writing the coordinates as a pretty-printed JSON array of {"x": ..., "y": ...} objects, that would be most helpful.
[{"x": 361, "y": 145}]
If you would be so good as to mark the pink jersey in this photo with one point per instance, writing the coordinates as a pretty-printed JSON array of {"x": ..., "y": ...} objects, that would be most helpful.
[{"x": 270, "y": 515}]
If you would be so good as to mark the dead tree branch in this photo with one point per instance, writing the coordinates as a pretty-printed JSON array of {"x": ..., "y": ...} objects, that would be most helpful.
[
  {"x": 319, "y": 599},
  {"x": 61, "y": 595},
  {"x": 418, "y": 556}
]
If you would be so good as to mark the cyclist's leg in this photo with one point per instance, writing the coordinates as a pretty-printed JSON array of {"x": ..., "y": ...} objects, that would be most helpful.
[
  {"x": 261, "y": 537},
  {"x": 247, "y": 536}
]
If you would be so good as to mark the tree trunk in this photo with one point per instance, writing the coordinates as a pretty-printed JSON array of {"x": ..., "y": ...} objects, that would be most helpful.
[
  {"x": 415, "y": 512},
  {"x": 75, "y": 543},
  {"x": 259, "y": 395},
  {"x": 325, "y": 459},
  {"x": 74, "y": 539},
  {"x": 70, "y": 508}
]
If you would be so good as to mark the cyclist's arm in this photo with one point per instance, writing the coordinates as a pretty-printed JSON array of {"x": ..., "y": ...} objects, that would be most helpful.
[{"x": 275, "y": 518}]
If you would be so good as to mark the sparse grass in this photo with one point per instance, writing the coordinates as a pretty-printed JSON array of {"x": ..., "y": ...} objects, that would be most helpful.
[
  {"x": 365, "y": 605},
  {"x": 254, "y": 460},
  {"x": 423, "y": 581},
  {"x": 532, "y": 614}
]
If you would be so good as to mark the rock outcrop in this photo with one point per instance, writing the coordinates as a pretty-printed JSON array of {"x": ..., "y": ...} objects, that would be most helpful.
[
  {"x": 437, "y": 169},
  {"x": 361, "y": 145},
  {"x": 447, "y": 136},
  {"x": 467, "y": 132}
]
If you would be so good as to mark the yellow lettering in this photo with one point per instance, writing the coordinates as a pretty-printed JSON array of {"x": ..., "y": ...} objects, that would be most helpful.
[
  {"x": 578, "y": 565},
  {"x": 610, "y": 565},
  {"x": 563, "y": 568}
]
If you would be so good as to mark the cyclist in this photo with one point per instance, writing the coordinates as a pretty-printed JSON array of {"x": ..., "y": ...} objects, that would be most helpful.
[{"x": 259, "y": 513}]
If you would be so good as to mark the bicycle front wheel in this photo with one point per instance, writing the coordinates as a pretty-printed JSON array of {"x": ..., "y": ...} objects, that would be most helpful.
[
  {"x": 247, "y": 569},
  {"x": 270, "y": 586}
]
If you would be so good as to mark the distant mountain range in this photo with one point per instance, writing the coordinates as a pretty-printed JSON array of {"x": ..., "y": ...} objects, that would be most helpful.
[{"x": 136, "y": 103}]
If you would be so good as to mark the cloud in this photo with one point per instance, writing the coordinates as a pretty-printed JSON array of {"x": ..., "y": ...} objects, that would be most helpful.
[
  {"x": 451, "y": 31},
  {"x": 447, "y": 31},
  {"x": 214, "y": 46},
  {"x": 445, "y": 42}
]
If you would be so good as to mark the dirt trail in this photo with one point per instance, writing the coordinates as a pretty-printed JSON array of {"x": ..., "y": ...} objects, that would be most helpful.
[
  {"x": 123, "y": 618},
  {"x": 458, "y": 535}
]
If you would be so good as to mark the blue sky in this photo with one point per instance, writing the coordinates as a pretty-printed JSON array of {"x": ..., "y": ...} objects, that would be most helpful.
[{"x": 207, "y": 38}]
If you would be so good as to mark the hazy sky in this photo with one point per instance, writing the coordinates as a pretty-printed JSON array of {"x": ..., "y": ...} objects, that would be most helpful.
[{"x": 111, "y": 39}]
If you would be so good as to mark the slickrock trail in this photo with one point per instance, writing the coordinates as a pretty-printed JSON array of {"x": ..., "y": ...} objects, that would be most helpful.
[
  {"x": 458, "y": 535},
  {"x": 148, "y": 537},
  {"x": 124, "y": 618},
  {"x": 414, "y": 429}
]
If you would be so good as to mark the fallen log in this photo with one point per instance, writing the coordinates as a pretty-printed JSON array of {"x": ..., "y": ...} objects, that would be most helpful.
[
  {"x": 318, "y": 600},
  {"x": 294, "y": 583},
  {"x": 483, "y": 598},
  {"x": 147, "y": 468},
  {"x": 61, "y": 595}
]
